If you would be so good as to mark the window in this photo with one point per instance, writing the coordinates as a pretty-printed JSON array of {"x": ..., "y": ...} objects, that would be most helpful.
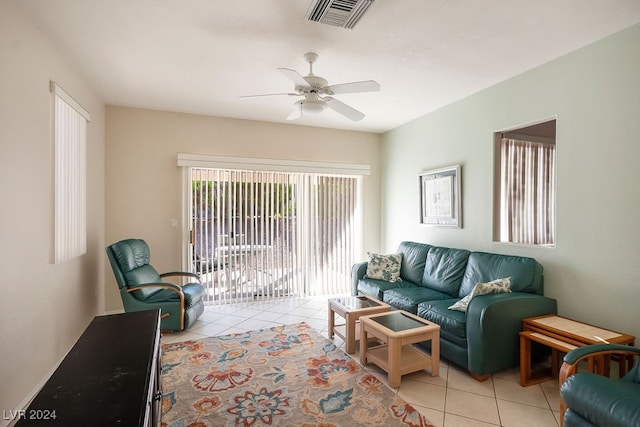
[
  {"x": 69, "y": 181},
  {"x": 525, "y": 196}
]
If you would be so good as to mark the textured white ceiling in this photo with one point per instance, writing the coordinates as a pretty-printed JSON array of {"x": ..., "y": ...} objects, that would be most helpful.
[{"x": 199, "y": 56}]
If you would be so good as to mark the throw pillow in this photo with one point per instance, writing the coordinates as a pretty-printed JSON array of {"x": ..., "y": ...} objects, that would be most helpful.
[
  {"x": 384, "y": 267},
  {"x": 493, "y": 287}
]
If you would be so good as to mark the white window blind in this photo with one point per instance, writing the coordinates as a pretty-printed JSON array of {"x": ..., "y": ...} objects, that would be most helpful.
[
  {"x": 69, "y": 211},
  {"x": 268, "y": 234}
]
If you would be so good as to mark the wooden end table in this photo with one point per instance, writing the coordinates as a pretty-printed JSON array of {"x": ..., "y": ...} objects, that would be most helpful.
[
  {"x": 399, "y": 329},
  {"x": 563, "y": 335},
  {"x": 350, "y": 309}
]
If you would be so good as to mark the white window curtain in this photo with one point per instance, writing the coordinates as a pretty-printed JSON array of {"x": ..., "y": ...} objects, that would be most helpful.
[
  {"x": 528, "y": 200},
  {"x": 69, "y": 211}
]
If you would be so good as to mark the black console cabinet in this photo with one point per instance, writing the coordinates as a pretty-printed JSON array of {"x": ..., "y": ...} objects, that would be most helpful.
[{"x": 111, "y": 377}]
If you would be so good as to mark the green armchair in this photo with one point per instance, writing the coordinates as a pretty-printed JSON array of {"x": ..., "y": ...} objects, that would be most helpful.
[
  {"x": 143, "y": 288},
  {"x": 589, "y": 399}
]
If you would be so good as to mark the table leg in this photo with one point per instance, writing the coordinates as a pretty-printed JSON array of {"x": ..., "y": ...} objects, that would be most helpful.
[
  {"x": 363, "y": 345},
  {"x": 555, "y": 361},
  {"x": 525, "y": 360},
  {"x": 435, "y": 354},
  {"x": 394, "y": 352},
  {"x": 350, "y": 333},
  {"x": 332, "y": 321}
]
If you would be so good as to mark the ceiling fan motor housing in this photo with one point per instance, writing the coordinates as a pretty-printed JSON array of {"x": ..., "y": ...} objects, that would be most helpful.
[{"x": 316, "y": 84}]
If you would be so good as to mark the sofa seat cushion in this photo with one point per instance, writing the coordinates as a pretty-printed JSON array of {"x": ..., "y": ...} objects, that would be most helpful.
[
  {"x": 377, "y": 288},
  {"x": 193, "y": 293},
  {"x": 452, "y": 323},
  {"x": 407, "y": 299},
  {"x": 618, "y": 402}
]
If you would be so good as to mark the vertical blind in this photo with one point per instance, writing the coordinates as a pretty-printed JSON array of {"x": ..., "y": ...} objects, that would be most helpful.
[
  {"x": 528, "y": 202},
  {"x": 261, "y": 234},
  {"x": 70, "y": 138}
]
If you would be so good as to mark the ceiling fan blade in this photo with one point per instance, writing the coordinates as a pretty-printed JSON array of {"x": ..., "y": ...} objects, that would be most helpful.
[
  {"x": 268, "y": 94},
  {"x": 295, "y": 113},
  {"x": 364, "y": 86},
  {"x": 294, "y": 76},
  {"x": 344, "y": 109}
]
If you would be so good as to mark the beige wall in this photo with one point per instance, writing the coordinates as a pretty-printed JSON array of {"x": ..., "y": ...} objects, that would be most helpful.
[
  {"x": 594, "y": 271},
  {"x": 44, "y": 308},
  {"x": 144, "y": 182}
]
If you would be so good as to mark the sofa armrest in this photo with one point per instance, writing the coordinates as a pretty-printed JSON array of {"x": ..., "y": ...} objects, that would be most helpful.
[
  {"x": 357, "y": 272},
  {"x": 493, "y": 326}
]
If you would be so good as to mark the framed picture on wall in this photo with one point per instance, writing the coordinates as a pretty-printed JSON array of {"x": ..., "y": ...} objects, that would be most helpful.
[{"x": 440, "y": 197}]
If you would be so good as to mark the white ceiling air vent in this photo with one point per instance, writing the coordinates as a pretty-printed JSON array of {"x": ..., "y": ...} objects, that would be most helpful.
[{"x": 339, "y": 13}]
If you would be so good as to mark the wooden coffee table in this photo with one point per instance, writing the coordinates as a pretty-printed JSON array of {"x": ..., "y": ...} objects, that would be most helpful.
[
  {"x": 351, "y": 308},
  {"x": 562, "y": 335},
  {"x": 398, "y": 330}
]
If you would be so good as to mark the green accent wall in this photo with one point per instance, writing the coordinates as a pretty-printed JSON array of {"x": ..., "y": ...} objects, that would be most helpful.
[{"x": 594, "y": 92}]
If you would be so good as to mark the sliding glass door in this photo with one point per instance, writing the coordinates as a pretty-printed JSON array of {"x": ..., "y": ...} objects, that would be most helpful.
[{"x": 259, "y": 234}]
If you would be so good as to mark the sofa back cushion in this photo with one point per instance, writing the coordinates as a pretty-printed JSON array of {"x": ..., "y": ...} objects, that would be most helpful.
[
  {"x": 414, "y": 256},
  {"x": 525, "y": 273},
  {"x": 444, "y": 269}
]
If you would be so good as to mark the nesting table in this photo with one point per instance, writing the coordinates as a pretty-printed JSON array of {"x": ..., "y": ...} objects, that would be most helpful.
[
  {"x": 350, "y": 308},
  {"x": 398, "y": 330},
  {"x": 562, "y": 335}
]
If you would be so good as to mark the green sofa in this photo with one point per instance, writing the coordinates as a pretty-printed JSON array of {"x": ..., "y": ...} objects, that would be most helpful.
[{"x": 485, "y": 338}]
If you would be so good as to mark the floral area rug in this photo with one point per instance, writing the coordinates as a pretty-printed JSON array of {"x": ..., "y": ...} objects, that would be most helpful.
[{"x": 283, "y": 376}]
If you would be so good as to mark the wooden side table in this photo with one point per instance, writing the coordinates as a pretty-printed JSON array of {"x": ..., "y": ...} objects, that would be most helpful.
[
  {"x": 400, "y": 329},
  {"x": 351, "y": 308},
  {"x": 563, "y": 335}
]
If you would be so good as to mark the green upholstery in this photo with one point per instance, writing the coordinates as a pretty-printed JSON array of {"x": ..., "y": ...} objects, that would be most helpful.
[
  {"x": 143, "y": 288},
  {"x": 525, "y": 273},
  {"x": 408, "y": 298},
  {"x": 413, "y": 260},
  {"x": 444, "y": 269},
  {"x": 594, "y": 400},
  {"x": 483, "y": 340}
]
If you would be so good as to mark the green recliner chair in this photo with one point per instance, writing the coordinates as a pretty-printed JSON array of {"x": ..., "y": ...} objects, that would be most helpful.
[
  {"x": 142, "y": 288},
  {"x": 589, "y": 399}
]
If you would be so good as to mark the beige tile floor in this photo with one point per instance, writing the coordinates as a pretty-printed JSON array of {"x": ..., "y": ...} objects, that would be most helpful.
[{"x": 452, "y": 399}]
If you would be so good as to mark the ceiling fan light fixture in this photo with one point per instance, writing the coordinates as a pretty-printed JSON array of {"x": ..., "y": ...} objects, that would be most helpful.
[{"x": 312, "y": 107}]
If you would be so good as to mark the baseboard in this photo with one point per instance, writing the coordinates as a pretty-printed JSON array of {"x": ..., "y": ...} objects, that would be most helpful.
[{"x": 24, "y": 404}]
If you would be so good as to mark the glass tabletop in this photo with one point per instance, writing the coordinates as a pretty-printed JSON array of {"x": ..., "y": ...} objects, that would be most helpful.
[
  {"x": 357, "y": 302},
  {"x": 397, "y": 321}
]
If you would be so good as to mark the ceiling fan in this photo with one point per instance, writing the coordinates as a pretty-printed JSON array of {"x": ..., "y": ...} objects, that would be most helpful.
[{"x": 317, "y": 92}]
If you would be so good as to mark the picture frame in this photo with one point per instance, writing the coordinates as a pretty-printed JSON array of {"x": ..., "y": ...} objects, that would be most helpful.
[{"x": 440, "y": 197}]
